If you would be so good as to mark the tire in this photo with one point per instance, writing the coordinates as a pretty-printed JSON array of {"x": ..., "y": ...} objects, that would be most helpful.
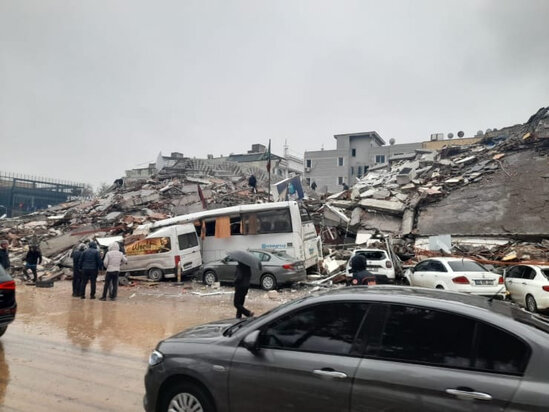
[
  {"x": 3, "y": 329},
  {"x": 440, "y": 287},
  {"x": 123, "y": 281},
  {"x": 155, "y": 274},
  {"x": 531, "y": 305},
  {"x": 183, "y": 397},
  {"x": 209, "y": 278},
  {"x": 268, "y": 282}
]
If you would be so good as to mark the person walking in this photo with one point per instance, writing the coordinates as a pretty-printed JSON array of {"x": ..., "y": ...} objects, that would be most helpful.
[
  {"x": 76, "y": 272},
  {"x": 32, "y": 260},
  {"x": 113, "y": 259},
  {"x": 241, "y": 286},
  {"x": 313, "y": 186},
  {"x": 5, "y": 255},
  {"x": 89, "y": 263},
  {"x": 252, "y": 182}
]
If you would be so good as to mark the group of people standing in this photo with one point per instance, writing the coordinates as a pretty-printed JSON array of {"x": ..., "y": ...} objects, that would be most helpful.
[{"x": 87, "y": 263}]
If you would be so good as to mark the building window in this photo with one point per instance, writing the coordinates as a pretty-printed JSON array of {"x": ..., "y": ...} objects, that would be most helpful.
[
  {"x": 340, "y": 180},
  {"x": 352, "y": 171},
  {"x": 309, "y": 163},
  {"x": 353, "y": 152},
  {"x": 340, "y": 161},
  {"x": 308, "y": 181},
  {"x": 359, "y": 172},
  {"x": 380, "y": 159}
]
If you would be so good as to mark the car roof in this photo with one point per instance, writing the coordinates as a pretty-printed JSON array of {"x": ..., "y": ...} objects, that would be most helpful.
[
  {"x": 420, "y": 296},
  {"x": 451, "y": 259}
]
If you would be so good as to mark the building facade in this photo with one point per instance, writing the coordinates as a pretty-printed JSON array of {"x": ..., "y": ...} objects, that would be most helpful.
[{"x": 355, "y": 154}]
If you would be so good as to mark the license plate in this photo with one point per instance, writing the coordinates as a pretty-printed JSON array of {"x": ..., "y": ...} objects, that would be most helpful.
[{"x": 483, "y": 282}]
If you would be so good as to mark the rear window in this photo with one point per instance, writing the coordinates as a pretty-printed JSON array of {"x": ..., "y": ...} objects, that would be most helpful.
[
  {"x": 466, "y": 266},
  {"x": 282, "y": 254},
  {"x": 4, "y": 275},
  {"x": 545, "y": 273},
  {"x": 373, "y": 254},
  {"x": 187, "y": 240}
]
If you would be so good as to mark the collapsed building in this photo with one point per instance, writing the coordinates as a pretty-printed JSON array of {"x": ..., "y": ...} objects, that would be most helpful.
[{"x": 487, "y": 196}]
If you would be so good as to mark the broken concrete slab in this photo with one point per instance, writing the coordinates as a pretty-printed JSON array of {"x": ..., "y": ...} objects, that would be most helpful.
[{"x": 389, "y": 206}]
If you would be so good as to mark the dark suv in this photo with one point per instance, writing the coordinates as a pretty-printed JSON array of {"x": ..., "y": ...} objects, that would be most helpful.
[
  {"x": 8, "y": 306},
  {"x": 359, "y": 349}
]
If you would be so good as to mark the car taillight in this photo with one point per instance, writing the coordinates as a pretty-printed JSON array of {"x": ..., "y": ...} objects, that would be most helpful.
[
  {"x": 545, "y": 288},
  {"x": 500, "y": 280},
  {"x": 288, "y": 267},
  {"x": 9, "y": 285},
  {"x": 462, "y": 280},
  {"x": 388, "y": 264},
  {"x": 177, "y": 260}
]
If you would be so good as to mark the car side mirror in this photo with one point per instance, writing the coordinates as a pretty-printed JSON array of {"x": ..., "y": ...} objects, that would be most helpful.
[{"x": 251, "y": 342}]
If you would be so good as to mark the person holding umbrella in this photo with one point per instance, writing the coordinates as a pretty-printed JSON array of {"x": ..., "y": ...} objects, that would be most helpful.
[{"x": 246, "y": 263}]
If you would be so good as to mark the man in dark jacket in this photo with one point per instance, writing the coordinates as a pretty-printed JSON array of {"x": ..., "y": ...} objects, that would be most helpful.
[
  {"x": 252, "y": 182},
  {"x": 241, "y": 286},
  {"x": 32, "y": 260},
  {"x": 4, "y": 255},
  {"x": 89, "y": 263},
  {"x": 76, "y": 272}
]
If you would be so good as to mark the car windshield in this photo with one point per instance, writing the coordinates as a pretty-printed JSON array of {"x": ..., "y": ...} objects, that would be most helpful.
[
  {"x": 466, "y": 266},
  {"x": 373, "y": 254}
]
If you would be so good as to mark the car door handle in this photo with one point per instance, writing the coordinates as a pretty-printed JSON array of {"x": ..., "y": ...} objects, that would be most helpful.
[
  {"x": 330, "y": 373},
  {"x": 469, "y": 394}
]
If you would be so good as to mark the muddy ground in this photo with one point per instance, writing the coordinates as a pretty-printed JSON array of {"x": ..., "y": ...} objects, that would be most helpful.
[{"x": 67, "y": 354}]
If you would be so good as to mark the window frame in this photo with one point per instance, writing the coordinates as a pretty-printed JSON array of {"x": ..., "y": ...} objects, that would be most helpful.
[
  {"x": 340, "y": 161},
  {"x": 475, "y": 343}
]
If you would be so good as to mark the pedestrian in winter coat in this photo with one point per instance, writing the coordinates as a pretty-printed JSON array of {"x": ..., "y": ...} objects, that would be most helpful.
[
  {"x": 241, "y": 286},
  {"x": 252, "y": 182},
  {"x": 89, "y": 263},
  {"x": 76, "y": 272},
  {"x": 32, "y": 260},
  {"x": 113, "y": 259},
  {"x": 4, "y": 255}
]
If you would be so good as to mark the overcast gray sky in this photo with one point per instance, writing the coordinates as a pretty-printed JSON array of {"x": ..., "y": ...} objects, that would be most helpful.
[{"x": 91, "y": 88}]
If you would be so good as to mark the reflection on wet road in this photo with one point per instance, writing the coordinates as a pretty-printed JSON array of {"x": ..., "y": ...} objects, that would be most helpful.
[{"x": 67, "y": 354}]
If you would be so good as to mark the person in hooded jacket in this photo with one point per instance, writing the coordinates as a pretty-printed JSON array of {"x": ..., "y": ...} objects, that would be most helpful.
[
  {"x": 89, "y": 263},
  {"x": 76, "y": 272},
  {"x": 32, "y": 260},
  {"x": 241, "y": 286},
  {"x": 358, "y": 269},
  {"x": 113, "y": 259}
]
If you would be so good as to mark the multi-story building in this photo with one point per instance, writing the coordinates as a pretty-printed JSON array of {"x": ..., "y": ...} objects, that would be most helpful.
[{"x": 354, "y": 155}]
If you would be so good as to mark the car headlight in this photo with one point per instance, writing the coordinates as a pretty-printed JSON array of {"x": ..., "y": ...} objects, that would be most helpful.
[{"x": 155, "y": 358}]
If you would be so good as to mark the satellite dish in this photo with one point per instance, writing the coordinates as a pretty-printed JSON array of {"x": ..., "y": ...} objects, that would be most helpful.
[
  {"x": 450, "y": 136},
  {"x": 461, "y": 134},
  {"x": 391, "y": 141}
]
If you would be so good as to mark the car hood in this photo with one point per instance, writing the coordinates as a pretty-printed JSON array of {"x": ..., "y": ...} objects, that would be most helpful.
[{"x": 208, "y": 330}]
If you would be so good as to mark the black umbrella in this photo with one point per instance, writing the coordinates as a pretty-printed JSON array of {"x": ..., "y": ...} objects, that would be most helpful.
[{"x": 246, "y": 258}]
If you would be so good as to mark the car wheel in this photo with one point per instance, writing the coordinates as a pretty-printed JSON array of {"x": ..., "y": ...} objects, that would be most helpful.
[
  {"x": 186, "y": 397},
  {"x": 268, "y": 282},
  {"x": 155, "y": 274},
  {"x": 209, "y": 278},
  {"x": 531, "y": 304},
  {"x": 440, "y": 287},
  {"x": 3, "y": 329},
  {"x": 123, "y": 281}
]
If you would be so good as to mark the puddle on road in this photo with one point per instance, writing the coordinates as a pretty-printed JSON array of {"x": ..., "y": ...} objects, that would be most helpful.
[{"x": 133, "y": 324}]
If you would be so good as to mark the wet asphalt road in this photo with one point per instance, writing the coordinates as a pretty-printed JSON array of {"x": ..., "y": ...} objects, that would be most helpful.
[{"x": 68, "y": 354}]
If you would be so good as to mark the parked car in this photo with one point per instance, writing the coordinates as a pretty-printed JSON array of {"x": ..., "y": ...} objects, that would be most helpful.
[
  {"x": 528, "y": 286},
  {"x": 363, "y": 348},
  {"x": 457, "y": 274},
  {"x": 8, "y": 305},
  {"x": 278, "y": 268},
  {"x": 378, "y": 262}
]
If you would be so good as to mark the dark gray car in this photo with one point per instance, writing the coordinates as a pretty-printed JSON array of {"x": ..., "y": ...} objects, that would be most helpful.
[
  {"x": 383, "y": 348},
  {"x": 278, "y": 269}
]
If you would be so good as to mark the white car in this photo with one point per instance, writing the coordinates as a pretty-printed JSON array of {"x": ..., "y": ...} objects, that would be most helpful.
[
  {"x": 456, "y": 274},
  {"x": 529, "y": 286},
  {"x": 377, "y": 262}
]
